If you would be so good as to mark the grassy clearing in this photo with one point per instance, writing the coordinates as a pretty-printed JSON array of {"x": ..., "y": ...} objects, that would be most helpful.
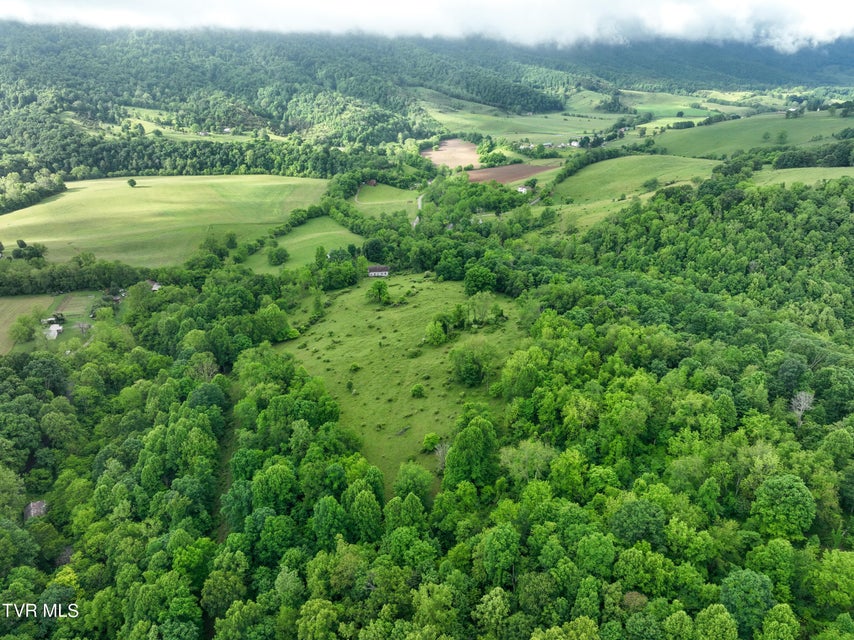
[
  {"x": 303, "y": 241},
  {"x": 159, "y": 222},
  {"x": 627, "y": 175},
  {"x": 747, "y": 133},
  {"x": 603, "y": 188},
  {"x": 460, "y": 115},
  {"x": 666, "y": 104},
  {"x": 381, "y": 342},
  {"x": 148, "y": 119},
  {"x": 12, "y": 307},
  {"x": 75, "y": 306},
  {"x": 809, "y": 175},
  {"x": 741, "y": 99},
  {"x": 585, "y": 102},
  {"x": 373, "y": 201}
]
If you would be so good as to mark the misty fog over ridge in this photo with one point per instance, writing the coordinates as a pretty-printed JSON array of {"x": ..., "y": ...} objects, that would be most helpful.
[{"x": 784, "y": 25}]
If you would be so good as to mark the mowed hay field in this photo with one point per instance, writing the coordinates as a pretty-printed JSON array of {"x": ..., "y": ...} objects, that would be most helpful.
[
  {"x": 602, "y": 188},
  {"x": 379, "y": 351},
  {"x": 747, "y": 133},
  {"x": 162, "y": 220},
  {"x": 302, "y": 243},
  {"x": 807, "y": 175},
  {"x": 382, "y": 198},
  {"x": 11, "y": 307},
  {"x": 75, "y": 306},
  {"x": 461, "y": 115}
]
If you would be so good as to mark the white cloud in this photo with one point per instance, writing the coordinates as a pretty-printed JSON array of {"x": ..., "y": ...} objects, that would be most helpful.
[{"x": 785, "y": 24}]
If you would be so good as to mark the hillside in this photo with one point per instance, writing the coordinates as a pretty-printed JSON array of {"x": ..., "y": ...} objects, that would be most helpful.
[{"x": 612, "y": 400}]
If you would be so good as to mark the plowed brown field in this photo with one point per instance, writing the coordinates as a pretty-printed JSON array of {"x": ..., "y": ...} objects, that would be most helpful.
[
  {"x": 453, "y": 153},
  {"x": 507, "y": 173}
]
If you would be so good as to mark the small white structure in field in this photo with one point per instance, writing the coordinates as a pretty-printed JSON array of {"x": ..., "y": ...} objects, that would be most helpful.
[{"x": 53, "y": 331}]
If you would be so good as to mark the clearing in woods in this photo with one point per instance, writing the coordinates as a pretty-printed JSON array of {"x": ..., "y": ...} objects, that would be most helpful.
[
  {"x": 162, "y": 220},
  {"x": 370, "y": 357},
  {"x": 453, "y": 153},
  {"x": 302, "y": 244},
  {"x": 75, "y": 306},
  {"x": 11, "y": 307},
  {"x": 382, "y": 198}
]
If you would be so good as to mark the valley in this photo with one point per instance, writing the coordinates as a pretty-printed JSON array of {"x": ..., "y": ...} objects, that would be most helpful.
[{"x": 422, "y": 338}]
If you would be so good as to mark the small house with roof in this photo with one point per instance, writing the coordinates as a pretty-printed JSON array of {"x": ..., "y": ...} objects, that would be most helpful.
[{"x": 379, "y": 271}]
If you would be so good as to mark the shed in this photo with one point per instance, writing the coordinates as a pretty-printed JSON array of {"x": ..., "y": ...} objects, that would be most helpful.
[{"x": 53, "y": 331}]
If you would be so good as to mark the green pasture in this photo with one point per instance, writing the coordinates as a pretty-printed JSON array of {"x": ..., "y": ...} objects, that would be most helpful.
[
  {"x": 11, "y": 307},
  {"x": 585, "y": 101},
  {"x": 746, "y": 133},
  {"x": 626, "y": 176},
  {"x": 666, "y": 104},
  {"x": 302, "y": 244},
  {"x": 603, "y": 188},
  {"x": 379, "y": 351},
  {"x": 162, "y": 220},
  {"x": 75, "y": 306},
  {"x": 459, "y": 115},
  {"x": 382, "y": 198},
  {"x": 807, "y": 175}
]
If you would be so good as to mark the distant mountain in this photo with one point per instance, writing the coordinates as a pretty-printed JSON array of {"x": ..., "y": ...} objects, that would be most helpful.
[
  {"x": 153, "y": 68},
  {"x": 338, "y": 90}
]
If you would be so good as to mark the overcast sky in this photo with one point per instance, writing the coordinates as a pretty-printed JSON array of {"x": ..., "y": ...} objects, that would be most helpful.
[{"x": 785, "y": 24}]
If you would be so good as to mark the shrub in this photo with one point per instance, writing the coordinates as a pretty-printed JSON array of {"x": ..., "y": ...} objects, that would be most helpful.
[{"x": 431, "y": 441}]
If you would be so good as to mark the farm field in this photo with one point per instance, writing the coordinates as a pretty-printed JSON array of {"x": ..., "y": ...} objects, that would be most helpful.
[
  {"x": 747, "y": 133},
  {"x": 807, "y": 175},
  {"x": 302, "y": 243},
  {"x": 453, "y": 153},
  {"x": 508, "y": 173},
  {"x": 75, "y": 306},
  {"x": 602, "y": 188},
  {"x": 382, "y": 198},
  {"x": 459, "y": 115},
  {"x": 160, "y": 221},
  {"x": 11, "y": 307},
  {"x": 374, "y": 348},
  {"x": 627, "y": 175},
  {"x": 664, "y": 105}
]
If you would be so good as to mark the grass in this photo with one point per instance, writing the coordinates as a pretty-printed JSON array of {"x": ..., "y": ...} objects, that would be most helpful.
[
  {"x": 585, "y": 102},
  {"x": 302, "y": 244},
  {"x": 75, "y": 306},
  {"x": 159, "y": 222},
  {"x": 460, "y": 115},
  {"x": 373, "y": 201},
  {"x": 627, "y": 176},
  {"x": 12, "y": 307},
  {"x": 385, "y": 345},
  {"x": 666, "y": 104},
  {"x": 603, "y": 188},
  {"x": 809, "y": 175},
  {"x": 747, "y": 133}
]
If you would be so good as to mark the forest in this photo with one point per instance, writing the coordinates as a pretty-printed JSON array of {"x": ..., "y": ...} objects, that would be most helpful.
[{"x": 666, "y": 454}]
